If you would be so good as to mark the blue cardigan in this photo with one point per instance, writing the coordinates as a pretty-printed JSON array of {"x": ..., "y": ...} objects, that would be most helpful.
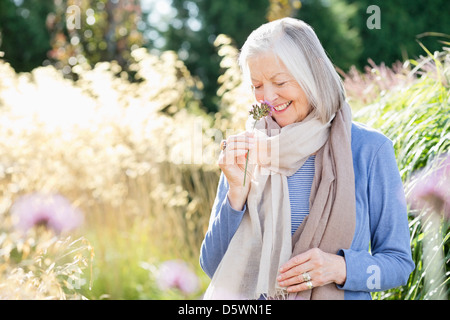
[{"x": 380, "y": 255}]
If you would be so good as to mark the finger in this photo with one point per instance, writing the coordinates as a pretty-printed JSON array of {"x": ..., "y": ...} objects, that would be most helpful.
[
  {"x": 300, "y": 287},
  {"x": 236, "y": 145},
  {"x": 240, "y": 138},
  {"x": 295, "y": 275},
  {"x": 295, "y": 280},
  {"x": 295, "y": 261},
  {"x": 232, "y": 157},
  {"x": 291, "y": 281}
]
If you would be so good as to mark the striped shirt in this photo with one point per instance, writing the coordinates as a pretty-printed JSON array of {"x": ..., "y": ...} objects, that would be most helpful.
[{"x": 299, "y": 191}]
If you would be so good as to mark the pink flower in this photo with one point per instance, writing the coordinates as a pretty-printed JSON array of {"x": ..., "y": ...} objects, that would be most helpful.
[
  {"x": 53, "y": 211},
  {"x": 432, "y": 188},
  {"x": 175, "y": 274}
]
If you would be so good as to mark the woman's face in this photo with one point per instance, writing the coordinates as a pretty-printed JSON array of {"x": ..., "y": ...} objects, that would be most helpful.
[{"x": 272, "y": 82}]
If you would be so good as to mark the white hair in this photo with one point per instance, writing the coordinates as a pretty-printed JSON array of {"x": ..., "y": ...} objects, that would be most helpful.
[{"x": 295, "y": 43}]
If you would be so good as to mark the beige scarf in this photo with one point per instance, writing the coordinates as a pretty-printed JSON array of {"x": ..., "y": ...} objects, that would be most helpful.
[{"x": 263, "y": 241}]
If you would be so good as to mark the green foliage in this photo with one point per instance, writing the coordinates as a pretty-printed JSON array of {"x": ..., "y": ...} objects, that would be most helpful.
[
  {"x": 34, "y": 32},
  {"x": 107, "y": 32},
  {"x": 23, "y": 34},
  {"x": 416, "y": 117},
  {"x": 401, "y": 22},
  {"x": 40, "y": 265},
  {"x": 331, "y": 22},
  {"x": 235, "y": 18}
]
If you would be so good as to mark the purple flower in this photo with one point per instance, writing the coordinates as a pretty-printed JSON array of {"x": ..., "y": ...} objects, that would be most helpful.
[
  {"x": 53, "y": 211},
  {"x": 175, "y": 274},
  {"x": 269, "y": 105},
  {"x": 260, "y": 111},
  {"x": 432, "y": 188}
]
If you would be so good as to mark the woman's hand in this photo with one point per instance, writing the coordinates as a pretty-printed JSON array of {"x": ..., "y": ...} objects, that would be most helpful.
[
  {"x": 232, "y": 163},
  {"x": 322, "y": 267}
]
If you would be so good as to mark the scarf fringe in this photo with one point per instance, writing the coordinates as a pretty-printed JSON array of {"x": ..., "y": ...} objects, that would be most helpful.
[{"x": 280, "y": 294}]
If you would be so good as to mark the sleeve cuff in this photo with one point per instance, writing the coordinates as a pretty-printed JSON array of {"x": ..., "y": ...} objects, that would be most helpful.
[
  {"x": 233, "y": 211},
  {"x": 354, "y": 264},
  {"x": 342, "y": 254}
]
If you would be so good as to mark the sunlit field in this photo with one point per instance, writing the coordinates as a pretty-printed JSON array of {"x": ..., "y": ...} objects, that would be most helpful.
[
  {"x": 123, "y": 154},
  {"x": 136, "y": 164}
]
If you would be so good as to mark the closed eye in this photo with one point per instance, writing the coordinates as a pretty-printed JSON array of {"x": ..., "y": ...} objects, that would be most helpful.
[{"x": 280, "y": 84}]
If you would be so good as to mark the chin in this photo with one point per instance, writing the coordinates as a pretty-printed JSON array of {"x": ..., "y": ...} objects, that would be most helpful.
[{"x": 283, "y": 122}]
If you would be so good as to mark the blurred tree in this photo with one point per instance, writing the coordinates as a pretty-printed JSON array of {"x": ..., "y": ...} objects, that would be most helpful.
[
  {"x": 401, "y": 22},
  {"x": 33, "y": 31},
  {"x": 23, "y": 36},
  {"x": 282, "y": 8},
  {"x": 107, "y": 30},
  {"x": 331, "y": 20},
  {"x": 197, "y": 23}
]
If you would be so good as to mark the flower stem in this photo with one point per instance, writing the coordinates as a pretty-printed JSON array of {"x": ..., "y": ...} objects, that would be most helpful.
[
  {"x": 246, "y": 163},
  {"x": 246, "y": 158}
]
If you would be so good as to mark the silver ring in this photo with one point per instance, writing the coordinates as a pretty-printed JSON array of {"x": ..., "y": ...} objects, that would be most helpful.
[
  {"x": 309, "y": 285},
  {"x": 223, "y": 145},
  {"x": 306, "y": 277}
]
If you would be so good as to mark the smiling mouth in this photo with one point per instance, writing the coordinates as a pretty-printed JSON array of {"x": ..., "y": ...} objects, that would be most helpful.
[{"x": 283, "y": 106}]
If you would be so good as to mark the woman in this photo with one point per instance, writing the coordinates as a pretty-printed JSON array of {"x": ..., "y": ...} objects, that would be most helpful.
[{"x": 322, "y": 193}]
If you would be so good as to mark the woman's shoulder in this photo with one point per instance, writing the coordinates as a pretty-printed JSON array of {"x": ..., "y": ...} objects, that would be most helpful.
[
  {"x": 363, "y": 134},
  {"x": 367, "y": 141}
]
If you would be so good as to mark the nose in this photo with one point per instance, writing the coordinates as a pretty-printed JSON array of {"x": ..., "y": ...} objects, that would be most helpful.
[{"x": 270, "y": 93}]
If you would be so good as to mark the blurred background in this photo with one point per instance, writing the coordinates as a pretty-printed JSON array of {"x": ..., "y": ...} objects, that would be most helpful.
[{"x": 119, "y": 106}]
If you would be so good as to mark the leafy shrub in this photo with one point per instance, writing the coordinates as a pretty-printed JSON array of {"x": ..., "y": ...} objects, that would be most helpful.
[{"x": 416, "y": 116}]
